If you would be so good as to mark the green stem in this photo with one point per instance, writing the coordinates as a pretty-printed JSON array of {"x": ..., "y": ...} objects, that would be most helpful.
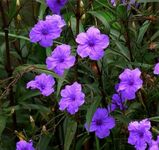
[{"x": 97, "y": 144}]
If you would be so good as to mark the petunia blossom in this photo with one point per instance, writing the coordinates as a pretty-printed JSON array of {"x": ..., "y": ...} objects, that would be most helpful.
[
  {"x": 101, "y": 123},
  {"x": 72, "y": 98},
  {"x": 130, "y": 83},
  {"x": 56, "y": 5},
  {"x": 44, "y": 83},
  {"x": 92, "y": 43},
  {"x": 60, "y": 59},
  {"x": 140, "y": 135},
  {"x": 23, "y": 145}
]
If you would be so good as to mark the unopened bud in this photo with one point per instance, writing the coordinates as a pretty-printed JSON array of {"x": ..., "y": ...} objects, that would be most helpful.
[
  {"x": 69, "y": 24},
  {"x": 133, "y": 24},
  {"x": 44, "y": 129},
  {"x": 12, "y": 110},
  {"x": 81, "y": 4},
  {"x": 18, "y": 3},
  {"x": 31, "y": 119},
  {"x": 19, "y": 17},
  {"x": 83, "y": 17}
]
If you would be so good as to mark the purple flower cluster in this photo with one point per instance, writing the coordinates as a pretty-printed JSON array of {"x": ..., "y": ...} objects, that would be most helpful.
[
  {"x": 23, "y": 145},
  {"x": 56, "y": 5},
  {"x": 45, "y": 31},
  {"x": 140, "y": 134},
  {"x": 101, "y": 123},
  {"x": 92, "y": 44},
  {"x": 130, "y": 83},
  {"x": 44, "y": 83},
  {"x": 72, "y": 98},
  {"x": 60, "y": 59}
]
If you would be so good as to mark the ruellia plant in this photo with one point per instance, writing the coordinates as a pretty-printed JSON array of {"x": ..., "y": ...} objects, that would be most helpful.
[{"x": 79, "y": 74}]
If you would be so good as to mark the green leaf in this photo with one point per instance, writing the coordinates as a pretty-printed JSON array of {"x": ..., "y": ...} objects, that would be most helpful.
[
  {"x": 3, "y": 121},
  {"x": 99, "y": 16},
  {"x": 142, "y": 31},
  {"x": 156, "y": 119},
  {"x": 48, "y": 51},
  {"x": 60, "y": 83},
  {"x": 28, "y": 95},
  {"x": 37, "y": 68},
  {"x": 147, "y": 1},
  {"x": 123, "y": 50},
  {"x": 155, "y": 35},
  {"x": 91, "y": 111},
  {"x": 12, "y": 10},
  {"x": 44, "y": 141},
  {"x": 71, "y": 127},
  {"x": 121, "y": 11},
  {"x": 41, "y": 108},
  {"x": 42, "y": 9},
  {"x": 15, "y": 36},
  {"x": 73, "y": 26}
]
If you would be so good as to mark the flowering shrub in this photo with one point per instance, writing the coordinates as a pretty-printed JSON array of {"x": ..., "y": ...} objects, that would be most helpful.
[{"x": 79, "y": 75}]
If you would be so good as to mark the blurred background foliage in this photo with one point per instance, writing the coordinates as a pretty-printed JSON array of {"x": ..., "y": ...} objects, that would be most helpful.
[{"x": 25, "y": 114}]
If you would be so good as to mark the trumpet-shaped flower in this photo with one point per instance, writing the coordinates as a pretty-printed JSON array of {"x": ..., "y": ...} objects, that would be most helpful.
[
  {"x": 23, "y": 145},
  {"x": 130, "y": 83},
  {"x": 92, "y": 44},
  {"x": 72, "y": 98},
  {"x": 45, "y": 31},
  {"x": 56, "y": 5},
  {"x": 60, "y": 59},
  {"x": 44, "y": 83},
  {"x": 101, "y": 123},
  {"x": 140, "y": 134}
]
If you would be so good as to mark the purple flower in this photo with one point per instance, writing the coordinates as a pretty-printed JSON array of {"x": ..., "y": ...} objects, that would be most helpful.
[
  {"x": 117, "y": 102},
  {"x": 72, "y": 98},
  {"x": 113, "y": 2},
  {"x": 23, "y": 145},
  {"x": 140, "y": 134},
  {"x": 101, "y": 123},
  {"x": 130, "y": 83},
  {"x": 92, "y": 44},
  {"x": 56, "y": 19},
  {"x": 60, "y": 59},
  {"x": 154, "y": 144},
  {"x": 44, "y": 83},
  {"x": 156, "y": 69},
  {"x": 56, "y": 5},
  {"x": 129, "y": 3},
  {"x": 46, "y": 31}
]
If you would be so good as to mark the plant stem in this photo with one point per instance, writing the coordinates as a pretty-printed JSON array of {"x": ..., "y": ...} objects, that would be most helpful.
[
  {"x": 78, "y": 16},
  {"x": 97, "y": 143},
  {"x": 8, "y": 62}
]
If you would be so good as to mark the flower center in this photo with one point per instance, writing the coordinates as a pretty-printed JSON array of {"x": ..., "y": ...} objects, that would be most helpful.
[
  {"x": 131, "y": 82},
  {"x": 61, "y": 60},
  {"x": 73, "y": 97},
  {"x": 59, "y": 1},
  {"x": 44, "y": 31},
  {"x": 42, "y": 86},
  {"x": 98, "y": 122},
  {"x": 141, "y": 134},
  {"x": 91, "y": 43}
]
